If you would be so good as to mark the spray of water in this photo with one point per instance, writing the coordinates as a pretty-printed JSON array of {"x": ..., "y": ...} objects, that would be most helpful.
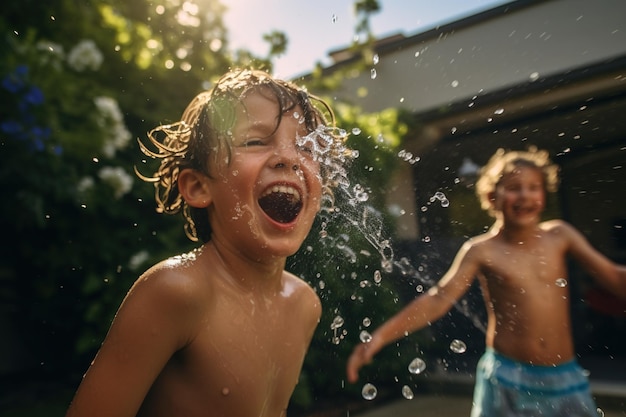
[{"x": 349, "y": 206}]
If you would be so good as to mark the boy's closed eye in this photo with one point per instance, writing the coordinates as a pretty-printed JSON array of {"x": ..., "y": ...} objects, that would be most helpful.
[{"x": 252, "y": 142}]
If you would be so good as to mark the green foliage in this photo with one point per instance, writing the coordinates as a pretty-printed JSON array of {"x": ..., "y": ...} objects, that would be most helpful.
[{"x": 80, "y": 82}]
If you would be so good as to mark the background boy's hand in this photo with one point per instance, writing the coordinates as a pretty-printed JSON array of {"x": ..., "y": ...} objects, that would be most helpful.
[{"x": 361, "y": 355}]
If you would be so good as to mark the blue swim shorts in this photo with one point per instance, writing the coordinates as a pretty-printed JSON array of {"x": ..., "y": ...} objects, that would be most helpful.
[{"x": 505, "y": 388}]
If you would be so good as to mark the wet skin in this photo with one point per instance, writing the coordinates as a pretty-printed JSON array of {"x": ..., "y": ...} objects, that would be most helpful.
[
  {"x": 222, "y": 331},
  {"x": 521, "y": 266}
]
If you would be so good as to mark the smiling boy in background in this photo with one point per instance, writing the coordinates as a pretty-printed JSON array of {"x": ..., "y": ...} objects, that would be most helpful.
[{"x": 529, "y": 367}]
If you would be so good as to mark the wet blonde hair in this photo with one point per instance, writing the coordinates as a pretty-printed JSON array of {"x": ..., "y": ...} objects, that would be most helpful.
[
  {"x": 504, "y": 162},
  {"x": 204, "y": 133}
]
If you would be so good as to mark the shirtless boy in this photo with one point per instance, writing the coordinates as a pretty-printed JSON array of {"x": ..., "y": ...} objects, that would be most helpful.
[
  {"x": 223, "y": 330},
  {"x": 529, "y": 367}
]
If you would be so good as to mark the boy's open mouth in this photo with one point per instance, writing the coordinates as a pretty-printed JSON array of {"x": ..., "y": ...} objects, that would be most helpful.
[{"x": 282, "y": 203}]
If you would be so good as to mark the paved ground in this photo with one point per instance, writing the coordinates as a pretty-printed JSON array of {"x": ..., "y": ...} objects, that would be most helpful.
[
  {"x": 459, "y": 406},
  {"x": 452, "y": 396},
  {"x": 424, "y": 406}
]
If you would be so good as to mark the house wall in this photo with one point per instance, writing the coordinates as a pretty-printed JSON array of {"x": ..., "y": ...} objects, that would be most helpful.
[{"x": 485, "y": 54}]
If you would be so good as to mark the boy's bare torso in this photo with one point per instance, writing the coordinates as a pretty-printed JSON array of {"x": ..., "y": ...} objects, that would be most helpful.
[
  {"x": 525, "y": 288},
  {"x": 245, "y": 352}
]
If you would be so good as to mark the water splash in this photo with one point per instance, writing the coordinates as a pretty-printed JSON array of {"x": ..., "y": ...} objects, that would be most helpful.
[
  {"x": 407, "y": 392},
  {"x": 561, "y": 282},
  {"x": 335, "y": 326},
  {"x": 441, "y": 197},
  {"x": 349, "y": 206},
  {"x": 458, "y": 346},
  {"x": 369, "y": 391},
  {"x": 417, "y": 366},
  {"x": 365, "y": 336}
]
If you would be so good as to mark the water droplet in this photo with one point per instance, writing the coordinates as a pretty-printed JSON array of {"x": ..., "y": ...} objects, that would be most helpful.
[
  {"x": 356, "y": 131},
  {"x": 365, "y": 336},
  {"x": 458, "y": 346},
  {"x": 600, "y": 412},
  {"x": 367, "y": 322},
  {"x": 369, "y": 391},
  {"x": 561, "y": 282},
  {"x": 375, "y": 59},
  {"x": 407, "y": 392},
  {"x": 454, "y": 83},
  {"x": 417, "y": 366},
  {"x": 498, "y": 111},
  {"x": 386, "y": 265},
  {"x": 337, "y": 322},
  {"x": 377, "y": 276},
  {"x": 534, "y": 76},
  {"x": 334, "y": 18},
  {"x": 373, "y": 73}
]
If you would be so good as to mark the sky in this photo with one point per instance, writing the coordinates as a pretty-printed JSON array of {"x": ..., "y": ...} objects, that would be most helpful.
[{"x": 314, "y": 28}]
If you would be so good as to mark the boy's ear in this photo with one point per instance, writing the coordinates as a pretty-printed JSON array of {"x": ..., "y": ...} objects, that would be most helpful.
[{"x": 194, "y": 188}]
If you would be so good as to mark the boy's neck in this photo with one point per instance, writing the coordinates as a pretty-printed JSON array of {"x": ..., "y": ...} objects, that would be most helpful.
[
  {"x": 515, "y": 233},
  {"x": 246, "y": 273}
]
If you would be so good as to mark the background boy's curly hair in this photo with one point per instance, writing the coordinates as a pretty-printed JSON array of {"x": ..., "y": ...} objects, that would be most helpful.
[
  {"x": 503, "y": 162},
  {"x": 204, "y": 133}
]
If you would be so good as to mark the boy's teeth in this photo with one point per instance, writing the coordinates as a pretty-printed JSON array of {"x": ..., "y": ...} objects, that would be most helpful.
[{"x": 285, "y": 189}]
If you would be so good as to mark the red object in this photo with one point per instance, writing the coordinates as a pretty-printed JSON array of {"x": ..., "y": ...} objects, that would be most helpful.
[{"x": 606, "y": 303}]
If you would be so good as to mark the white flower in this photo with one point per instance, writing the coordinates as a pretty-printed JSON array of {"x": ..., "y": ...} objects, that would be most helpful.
[
  {"x": 85, "y": 184},
  {"x": 111, "y": 120},
  {"x": 50, "y": 53},
  {"x": 138, "y": 259},
  {"x": 85, "y": 55},
  {"x": 117, "y": 178}
]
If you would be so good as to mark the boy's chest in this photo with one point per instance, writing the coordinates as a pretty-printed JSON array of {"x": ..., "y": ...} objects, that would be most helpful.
[
  {"x": 522, "y": 264},
  {"x": 246, "y": 358}
]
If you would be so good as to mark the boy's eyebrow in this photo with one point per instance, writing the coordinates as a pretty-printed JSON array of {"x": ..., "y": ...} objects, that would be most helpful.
[{"x": 259, "y": 127}]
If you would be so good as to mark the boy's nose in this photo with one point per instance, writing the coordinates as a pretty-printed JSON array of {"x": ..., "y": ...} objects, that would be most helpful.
[
  {"x": 287, "y": 156},
  {"x": 295, "y": 167},
  {"x": 525, "y": 192}
]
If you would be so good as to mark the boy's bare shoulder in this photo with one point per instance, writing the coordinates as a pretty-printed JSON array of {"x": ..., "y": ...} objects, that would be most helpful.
[
  {"x": 300, "y": 287},
  {"x": 176, "y": 281},
  {"x": 479, "y": 242},
  {"x": 302, "y": 293},
  {"x": 481, "y": 247},
  {"x": 556, "y": 226}
]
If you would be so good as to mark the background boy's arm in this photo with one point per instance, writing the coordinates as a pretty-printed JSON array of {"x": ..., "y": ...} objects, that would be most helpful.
[
  {"x": 607, "y": 273},
  {"x": 146, "y": 331},
  {"x": 421, "y": 311}
]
